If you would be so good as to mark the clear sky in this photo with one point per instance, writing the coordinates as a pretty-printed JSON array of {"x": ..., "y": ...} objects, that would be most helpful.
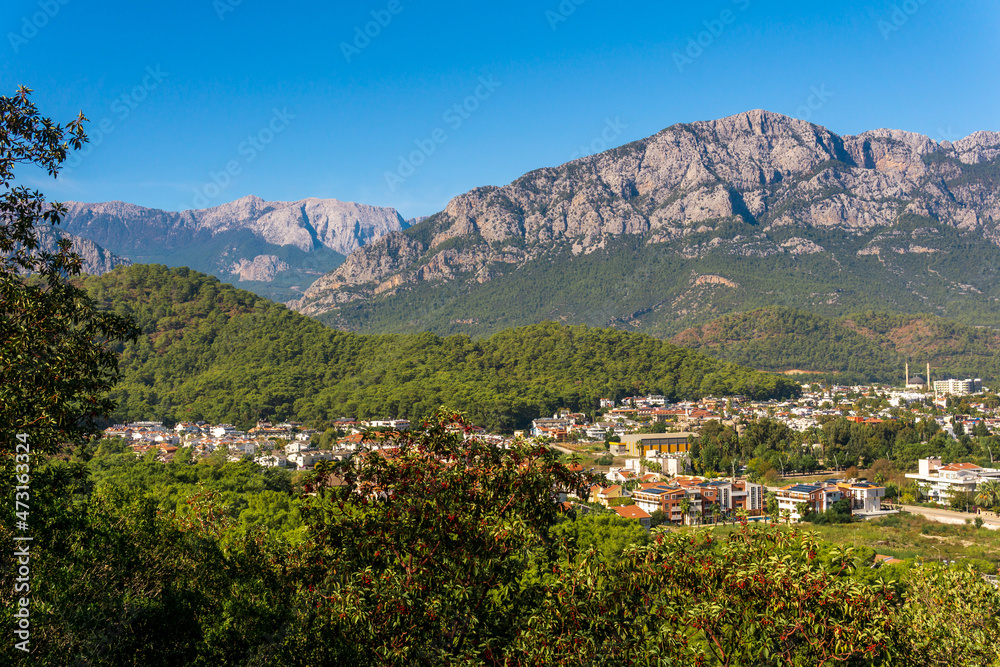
[{"x": 205, "y": 101}]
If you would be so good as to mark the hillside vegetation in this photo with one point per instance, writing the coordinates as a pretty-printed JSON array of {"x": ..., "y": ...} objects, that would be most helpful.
[
  {"x": 210, "y": 351},
  {"x": 863, "y": 347}
]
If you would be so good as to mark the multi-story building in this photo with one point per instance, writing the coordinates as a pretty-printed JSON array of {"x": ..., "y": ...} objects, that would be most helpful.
[
  {"x": 941, "y": 481},
  {"x": 638, "y": 444},
  {"x": 668, "y": 500},
  {"x": 604, "y": 495},
  {"x": 820, "y": 498},
  {"x": 864, "y": 497},
  {"x": 958, "y": 387},
  {"x": 704, "y": 496},
  {"x": 748, "y": 496},
  {"x": 396, "y": 424}
]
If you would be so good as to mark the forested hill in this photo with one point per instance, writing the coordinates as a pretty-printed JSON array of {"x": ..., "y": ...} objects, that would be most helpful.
[
  {"x": 866, "y": 346},
  {"x": 211, "y": 351}
]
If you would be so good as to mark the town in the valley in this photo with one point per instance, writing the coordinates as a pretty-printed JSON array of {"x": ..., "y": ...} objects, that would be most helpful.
[{"x": 648, "y": 450}]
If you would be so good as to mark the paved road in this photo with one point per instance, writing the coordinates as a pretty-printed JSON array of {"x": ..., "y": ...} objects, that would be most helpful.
[{"x": 990, "y": 520}]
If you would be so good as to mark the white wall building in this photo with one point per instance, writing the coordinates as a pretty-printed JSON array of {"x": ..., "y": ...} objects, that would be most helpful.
[{"x": 940, "y": 481}]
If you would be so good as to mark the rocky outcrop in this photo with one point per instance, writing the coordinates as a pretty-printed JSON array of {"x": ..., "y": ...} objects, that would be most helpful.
[
  {"x": 95, "y": 259},
  {"x": 263, "y": 268},
  {"x": 755, "y": 185}
]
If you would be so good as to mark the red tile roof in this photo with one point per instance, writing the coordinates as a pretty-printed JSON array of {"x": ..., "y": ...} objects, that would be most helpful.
[{"x": 631, "y": 512}]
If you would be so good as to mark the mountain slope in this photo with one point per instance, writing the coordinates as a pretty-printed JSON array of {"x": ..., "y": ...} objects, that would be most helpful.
[
  {"x": 276, "y": 248},
  {"x": 697, "y": 221},
  {"x": 862, "y": 347},
  {"x": 95, "y": 259},
  {"x": 211, "y": 351}
]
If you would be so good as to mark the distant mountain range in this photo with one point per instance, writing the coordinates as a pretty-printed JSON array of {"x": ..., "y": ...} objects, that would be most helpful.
[
  {"x": 697, "y": 221},
  {"x": 276, "y": 249}
]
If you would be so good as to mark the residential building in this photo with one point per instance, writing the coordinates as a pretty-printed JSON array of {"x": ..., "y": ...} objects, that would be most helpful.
[
  {"x": 397, "y": 424},
  {"x": 653, "y": 497},
  {"x": 637, "y": 444},
  {"x": 634, "y": 513},
  {"x": 748, "y": 496},
  {"x": 958, "y": 387},
  {"x": 864, "y": 497},
  {"x": 604, "y": 495},
  {"x": 554, "y": 428},
  {"x": 820, "y": 498},
  {"x": 939, "y": 481}
]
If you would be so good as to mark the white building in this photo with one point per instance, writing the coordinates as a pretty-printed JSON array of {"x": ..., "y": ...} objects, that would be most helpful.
[
  {"x": 398, "y": 424},
  {"x": 222, "y": 430},
  {"x": 940, "y": 481},
  {"x": 958, "y": 387},
  {"x": 865, "y": 498},
  {"x": 600, "y": 429}
]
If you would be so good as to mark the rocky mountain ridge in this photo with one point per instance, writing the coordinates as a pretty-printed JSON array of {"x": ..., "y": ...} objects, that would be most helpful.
[
  {"x": 290, "y": 241},
  {"x": 96, "y": 260},
  {"x": 749, "y": 191}
]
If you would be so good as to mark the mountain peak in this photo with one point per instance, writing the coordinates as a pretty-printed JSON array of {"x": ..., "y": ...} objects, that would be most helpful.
[{"x": 708, "y": 199}]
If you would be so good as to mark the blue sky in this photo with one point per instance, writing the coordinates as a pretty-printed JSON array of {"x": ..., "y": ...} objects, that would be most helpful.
[{"x": 205, "y": 101}]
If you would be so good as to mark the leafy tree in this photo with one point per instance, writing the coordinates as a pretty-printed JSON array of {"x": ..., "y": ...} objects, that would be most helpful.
[
  {"x": 57, "y": 361},
  {"x": 604, "y": 532},
  {"x": 988, "y": 493},
  {"x": 687, "y": 598},
  {"x": 957, "y": 629},
  {"x": 685, "y": 506},
  {"x": 771, "y": 504},
  {"x": 961, "y": 501},
  {"x": 419, "y": 557}
]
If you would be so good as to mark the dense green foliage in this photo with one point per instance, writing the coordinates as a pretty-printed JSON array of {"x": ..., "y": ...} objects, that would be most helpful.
[
  {"x": 863, "y": 347},
  {"x": 255, "y": 496},
  {"x": 56, "y": 365},
  {"x": 210, "y": 351},
  {"x": 445, "y": 551}
]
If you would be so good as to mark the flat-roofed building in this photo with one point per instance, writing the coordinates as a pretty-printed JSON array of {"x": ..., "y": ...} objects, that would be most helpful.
[
  {"x": 939, "y": 482},
  {"x": 637, "y": 444},
  {"x": 819, "y": 497}
]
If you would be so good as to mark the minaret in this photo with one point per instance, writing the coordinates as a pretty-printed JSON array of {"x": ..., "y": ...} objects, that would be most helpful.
[
  {"x": 928, "y": 376},
  {"x": 907, "y": 375}
]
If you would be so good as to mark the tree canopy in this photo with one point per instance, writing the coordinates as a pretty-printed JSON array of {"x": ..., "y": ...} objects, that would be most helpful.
[
  {"x": 57, "y": 361},
  {"x": 210, "y": 351}
]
